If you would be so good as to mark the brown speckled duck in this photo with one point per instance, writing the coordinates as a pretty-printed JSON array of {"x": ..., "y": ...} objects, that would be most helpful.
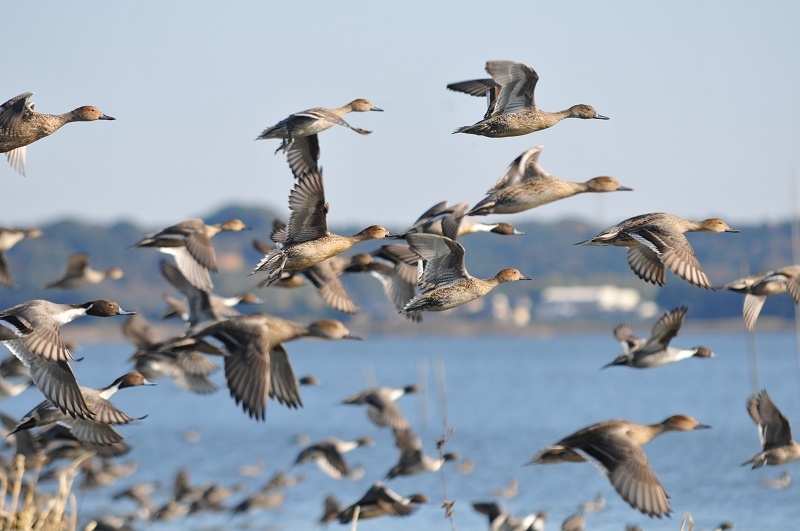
[{"x": 20, "y": 125}]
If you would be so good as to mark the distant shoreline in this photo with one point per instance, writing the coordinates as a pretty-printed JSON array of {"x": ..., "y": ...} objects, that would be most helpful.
[{"x": 437, "y": 327}]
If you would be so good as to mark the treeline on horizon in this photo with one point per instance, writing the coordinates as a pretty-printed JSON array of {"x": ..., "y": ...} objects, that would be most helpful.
[{"x": 546, "y": 252}]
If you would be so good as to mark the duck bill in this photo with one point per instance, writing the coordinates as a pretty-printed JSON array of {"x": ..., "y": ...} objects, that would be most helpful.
[
  {"x": 600, "y": 117},
  {"x": 123, "y": 312},
  {"x": 731, "y": 230},
  {"x": 376, "y": 109},
  {"x": 106, "y": 117},
  {"x": 703, "y": 427},
  {"x": 526, "y": 278},
  {"x": 148, "y": 382},
  {"x": 351, "y": 336},
  {"x": 624, "y": 189}
]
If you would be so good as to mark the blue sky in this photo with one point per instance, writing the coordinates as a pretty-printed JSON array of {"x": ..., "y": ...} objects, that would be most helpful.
[{"x": 701, "y": 97}]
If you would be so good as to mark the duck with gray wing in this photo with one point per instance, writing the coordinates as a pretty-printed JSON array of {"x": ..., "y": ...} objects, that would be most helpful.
[
  {"x": 445, "y": 278},
  {"x": 758, "y": 287},
  {"x": 31, "y": 332},
  {"x": 525, "y": 185},
  {"x": 190, "y": 243},
  {"x": 307, "y": 241},
  {"x": 655, "y": 350},
  {"x": 299, "y": 133},
  {"x": 657, "y": 240},
  {"x": 512, "y": 109}
]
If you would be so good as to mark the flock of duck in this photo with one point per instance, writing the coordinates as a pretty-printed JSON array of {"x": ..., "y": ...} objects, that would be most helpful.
[{"x": 425, "y": 273}]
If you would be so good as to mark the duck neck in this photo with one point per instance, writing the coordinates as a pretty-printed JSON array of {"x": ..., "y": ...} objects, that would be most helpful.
[
  {"x": 346, "y": 446},
  {"x": 644, "y": 433},
  {"x": 682, "y": 354},
  {"x": 213, "y": 230},
  {"x": 75, "y": 311},
  {"x": 344, "y": 109},
  {"x": 693, "y": 226},
  {"x": 559, "y": 115},
  {"x": 107, "y": 392}
]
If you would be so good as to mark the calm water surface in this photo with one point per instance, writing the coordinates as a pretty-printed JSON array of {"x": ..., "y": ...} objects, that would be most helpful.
[{"x": 505, "y": 399}]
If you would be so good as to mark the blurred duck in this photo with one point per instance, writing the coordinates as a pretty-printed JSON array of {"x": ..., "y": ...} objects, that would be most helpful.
[
  {"x": 203, "y": 305},
  {"x": 510, "y": 491},
  {"x": 20, "y": 125},
  {"x": 757, "y": 288},
  {"x": 395, "y": 266},
  {"x": 445, "y": 278},
  {"x": 223, "y": 306},
  {"x": 466, "y": 466},
  {"x": 777, "y": 483},
  {"x": 381, "y": 406},
  {"x": 656, "y": 240},
  {"x": 327, "y": 454},
  {"x": 525, "y": 185},
  {"x": 9, "y": 389},
  {"x": 445, "y": 220},
  {"x": 512, "y": 109},
  {"x": 597, "y": 505},
  {"x": 79, "y": 274},
  {"x": 97, "y": 434},
  {"x": 575, "y": 522},
  {"x": 655, "y": 351},
  {"x": 310, "y": 380},
  {"x": 256, "y": 363},
  {"x": 307, "y": 241},
  {"x": 140, "y": 494},
  {"x": 299, "y": 133},
  {"x": 202, "y": 309},
  {"x": 500, "y": 520},
  {"x": 9, "y": 237},
  {"x": 190, "y": 243},
  {"x": 262, "y": 500},
  {"x": 412, "y": 459},
  {"x": 324, "y": 276},
  {"x": 774, "y": 431},
  {"x": 189, "y": 369},
  {"x": 380, "y": 500},
  {"x": 31, "y": 332},
  {"x": 615, "y": 446},
  {"x": 330, "y": 509}
]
